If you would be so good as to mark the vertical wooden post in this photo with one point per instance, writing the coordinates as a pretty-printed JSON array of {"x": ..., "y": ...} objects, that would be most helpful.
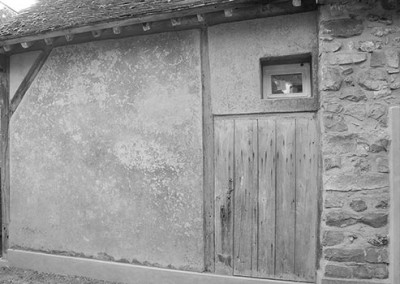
[
  {"x": 5, "y": 162},
  {"x": 394, "y": 120},
  {"x": 208, "y": 158}
]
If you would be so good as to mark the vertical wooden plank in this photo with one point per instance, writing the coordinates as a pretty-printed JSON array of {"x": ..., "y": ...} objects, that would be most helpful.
[
  {"x": 394, "y": 160},
  {"x": 5, "y": 153},
  {"x": 224, "y": 130},
  {"x": 306, "y": 198},
  {"x": 246, "y": 195},
  {"x": 285, "y": 197},
  {"x": 266, "y": 199},
  {"x": 208, "y": 157}
]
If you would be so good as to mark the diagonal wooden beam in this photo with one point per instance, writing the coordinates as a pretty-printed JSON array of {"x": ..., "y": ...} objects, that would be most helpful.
[{"x": 28, "y": 80}]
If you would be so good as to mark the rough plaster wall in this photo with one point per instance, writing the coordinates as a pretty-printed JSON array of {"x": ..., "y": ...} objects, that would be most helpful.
[
  {"x": 236, "y": 50},
  {"x": 19, "y": 67},
  {"x": 106, "y": 153},
  {"x": 359, "y": 81}
]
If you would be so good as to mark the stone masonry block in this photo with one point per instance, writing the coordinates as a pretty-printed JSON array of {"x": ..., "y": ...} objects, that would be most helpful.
[
  {"x": 342, "y": 27},
  {"x": 341, "y": 143},
  {"x": 332, "y": 46},
  {"x": 332, "y": 200},
  {"x": 358, "y": 205},
  {"x": 375, "y": 219},
  {"x": 343, "y": 58},
  {"x": 373, "y": 79},
  {"x": 357, "y": 182},
  {"x": 378, "y": 59},
  {"x": 332, "y": 162},
  {"x": 340, "y": 219},
  {"x": 378, "y": 111},
  {"x": 336, "y": 123},
  {"x": 332, "y": 238},
  {"x": 379, "y": 240},
  {"x": 358, "y": 111},
  {"x": 369, "y": 271},
  {"x": 392, "y": 55},
  {"x": 345, "y": 255},
  {"x": 338, "y": 271},
  {"x": 331, "y": 79},
  {"x": 369, "y": 45},
  {"x": 382, "y": 165},
  {"x": 377, "y": 255},
  {"x": 353, "y": 95},
  {"x": 333, "y": 107}
]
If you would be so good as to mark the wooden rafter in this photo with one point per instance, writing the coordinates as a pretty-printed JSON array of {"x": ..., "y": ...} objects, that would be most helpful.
[{"x": 28, "y": 80}]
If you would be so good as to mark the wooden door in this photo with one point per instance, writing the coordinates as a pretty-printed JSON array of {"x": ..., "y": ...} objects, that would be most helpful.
[{"x": 266, "y": 172}]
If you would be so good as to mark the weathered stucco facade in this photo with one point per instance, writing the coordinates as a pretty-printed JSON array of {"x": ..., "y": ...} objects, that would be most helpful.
[
  {"x": 106, "y": 156},
  {"x": 235, "y": 53},
  {"x": 107, "y": 146}
]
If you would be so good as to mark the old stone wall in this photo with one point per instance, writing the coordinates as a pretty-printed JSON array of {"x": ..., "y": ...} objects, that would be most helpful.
[{"x": 359, "y": 80}]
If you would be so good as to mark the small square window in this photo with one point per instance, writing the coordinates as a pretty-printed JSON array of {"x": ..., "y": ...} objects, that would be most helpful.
[{"x": 286, "y": 80}]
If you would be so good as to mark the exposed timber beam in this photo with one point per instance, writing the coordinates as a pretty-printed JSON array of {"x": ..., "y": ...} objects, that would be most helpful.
[
  {"x": 228, "y": 12},
  {"x": 146, "y": 27},
  {"x": 28, "y": 80},
  {"x": 5, "y": 153},
  {"x": 27, "y": 44},
  {"x": 69, "y": 37},
  {"x": 97, "y": 33},
  {"x": 8, "y": 48},
  {"x": 117, "y": 30},
  {"x": 176, "y": 22},
  {"x": 208, "y": 150},
  {"x": 296, "y": 3},
  {"x": 49, "y": 40}
]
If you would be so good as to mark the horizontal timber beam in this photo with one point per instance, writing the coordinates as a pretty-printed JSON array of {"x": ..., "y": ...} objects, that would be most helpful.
[{"x": 120, "y": 272}]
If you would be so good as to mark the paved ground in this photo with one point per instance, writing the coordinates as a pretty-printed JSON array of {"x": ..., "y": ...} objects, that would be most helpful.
[{"x": 23, "y": 276}]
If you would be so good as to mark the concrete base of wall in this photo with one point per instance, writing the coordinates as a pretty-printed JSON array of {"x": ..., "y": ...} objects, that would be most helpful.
[
  {"x": 344, "y": 281},
  {"x": 119, "y": 272}
]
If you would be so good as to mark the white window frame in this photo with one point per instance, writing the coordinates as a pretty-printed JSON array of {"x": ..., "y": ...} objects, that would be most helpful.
[{"x": 286, "y": 69}]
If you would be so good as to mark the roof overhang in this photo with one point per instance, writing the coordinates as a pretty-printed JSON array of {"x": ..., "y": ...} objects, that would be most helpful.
[{"x": 195, "y": 17}]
